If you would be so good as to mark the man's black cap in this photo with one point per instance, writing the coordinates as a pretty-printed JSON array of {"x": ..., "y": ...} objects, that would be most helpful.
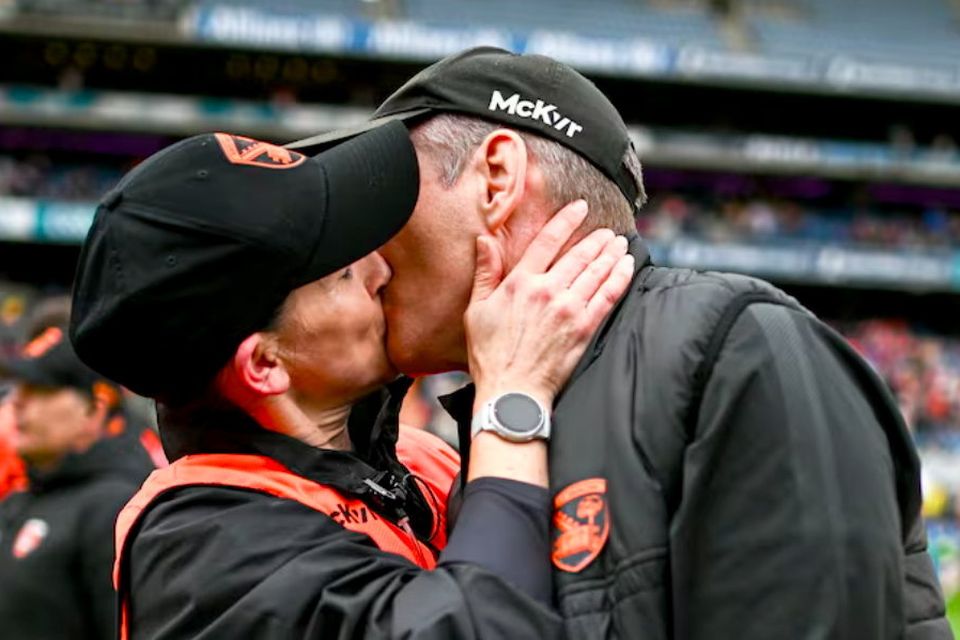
[
  {"x": 528, "y": 92},
  {"x": 198, "y": 247},
  {"x": 50, "y": 361}
]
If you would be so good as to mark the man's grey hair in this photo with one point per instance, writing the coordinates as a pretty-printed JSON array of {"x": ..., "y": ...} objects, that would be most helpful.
[{"x": 450, "y": 139}]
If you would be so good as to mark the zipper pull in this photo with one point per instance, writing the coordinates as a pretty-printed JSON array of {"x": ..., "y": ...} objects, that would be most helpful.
[{"x": 381, "y": 492}]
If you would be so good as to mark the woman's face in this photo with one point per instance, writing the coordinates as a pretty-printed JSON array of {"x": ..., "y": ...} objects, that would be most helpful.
[{"x": 331, "y": 334}]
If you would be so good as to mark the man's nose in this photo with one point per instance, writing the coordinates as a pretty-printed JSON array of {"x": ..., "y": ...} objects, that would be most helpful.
[{"x": 380, "y": 273}]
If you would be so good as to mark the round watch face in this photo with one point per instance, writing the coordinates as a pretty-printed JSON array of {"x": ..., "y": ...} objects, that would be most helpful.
[{"x": 518, "y": 412}]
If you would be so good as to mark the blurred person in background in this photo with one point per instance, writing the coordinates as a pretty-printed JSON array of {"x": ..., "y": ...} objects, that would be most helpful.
[
  {"x": 130, "y": 424},
  {"x": 56, "y": 537},
  {"x": 144, "y": 450},
  {"x": 12, "y": 472},
  {"x": 724, "y": 465},
  {"x": 131, "y": 427},
  {"x": 238, "y": 284}
]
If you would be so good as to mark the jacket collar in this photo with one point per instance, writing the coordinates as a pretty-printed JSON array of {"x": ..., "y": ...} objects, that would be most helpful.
[
  {"x": 371, "y": 472},
  {"x": 373, "y": 425},
  {"x": 642, "y": 261},
  {"x": 73, "y": 469}
]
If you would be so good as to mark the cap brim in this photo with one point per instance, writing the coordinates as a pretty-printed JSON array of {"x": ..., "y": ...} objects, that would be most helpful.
[
  {"x": 373, "y": 181},
  {"x": 321, "y": 142}
]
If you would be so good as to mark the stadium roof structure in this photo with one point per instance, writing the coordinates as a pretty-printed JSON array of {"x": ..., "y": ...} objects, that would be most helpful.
[{"x": 883, "y": 48}]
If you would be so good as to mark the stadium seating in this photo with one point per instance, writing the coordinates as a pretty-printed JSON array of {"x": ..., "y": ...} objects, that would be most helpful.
[
  {"x": 671, "y": 215},
  {"x": 868, "y": 30},
  {"x": 601, "y": 18},
  {"x": 884, "y": 30}
]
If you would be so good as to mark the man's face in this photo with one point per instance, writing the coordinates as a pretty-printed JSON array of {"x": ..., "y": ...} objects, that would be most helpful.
[
  {"x": 331, "y": 334},
  {"x": 51, "y": 422},
  {"x": 432, "y": 259}
]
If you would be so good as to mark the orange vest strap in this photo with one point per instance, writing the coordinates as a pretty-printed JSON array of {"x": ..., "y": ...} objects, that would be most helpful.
[{"x": 426, "y": 456}]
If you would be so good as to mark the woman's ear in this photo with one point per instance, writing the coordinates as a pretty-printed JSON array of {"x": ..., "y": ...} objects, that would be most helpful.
[
  {"x": 257, "y": 368},
  {"x": 501, "y": 161}
]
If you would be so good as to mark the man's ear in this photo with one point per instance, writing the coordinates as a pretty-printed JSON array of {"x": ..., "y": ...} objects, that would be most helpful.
[
  {"x": 502, "y": 163},
  {"x": 257, "y": 367},
  {"x": 99, "y": 408}
]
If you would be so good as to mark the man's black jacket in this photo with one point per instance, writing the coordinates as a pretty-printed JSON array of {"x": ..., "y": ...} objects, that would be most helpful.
[
  {"x": 724, "y": 466},
  {"x": 760, "y": 481},
  {"x": 56, "y": 545}
]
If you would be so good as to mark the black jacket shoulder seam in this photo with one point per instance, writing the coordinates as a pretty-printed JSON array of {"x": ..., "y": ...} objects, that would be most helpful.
[{"x": 717, "y": 339}]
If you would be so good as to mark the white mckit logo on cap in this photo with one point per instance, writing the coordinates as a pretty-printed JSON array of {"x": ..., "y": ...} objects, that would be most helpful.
[{"x": 539, "y": 110}]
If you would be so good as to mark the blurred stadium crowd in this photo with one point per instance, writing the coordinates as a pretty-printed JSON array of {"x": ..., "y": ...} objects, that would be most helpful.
[
  {"x": 717, "y": 219},
  {"x": 37, "y": 176},
  {"x": 761, "y": 123},
  {"x": 731, "y": 209}
]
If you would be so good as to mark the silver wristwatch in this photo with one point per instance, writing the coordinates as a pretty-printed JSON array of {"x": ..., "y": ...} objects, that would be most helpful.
[{"x": 516, "y": 417}]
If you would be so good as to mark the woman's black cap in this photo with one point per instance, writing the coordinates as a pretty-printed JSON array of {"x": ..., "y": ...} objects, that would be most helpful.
[{"x": 198, "y": 246}]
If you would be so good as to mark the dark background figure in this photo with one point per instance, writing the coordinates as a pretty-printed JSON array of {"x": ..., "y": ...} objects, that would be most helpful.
[{"x": 56, "y": 537}]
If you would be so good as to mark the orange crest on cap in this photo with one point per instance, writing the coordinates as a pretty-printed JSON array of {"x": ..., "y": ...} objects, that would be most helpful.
[
  {"x": 43, "y": 343},
  {"x": 241, "y": 150}
]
